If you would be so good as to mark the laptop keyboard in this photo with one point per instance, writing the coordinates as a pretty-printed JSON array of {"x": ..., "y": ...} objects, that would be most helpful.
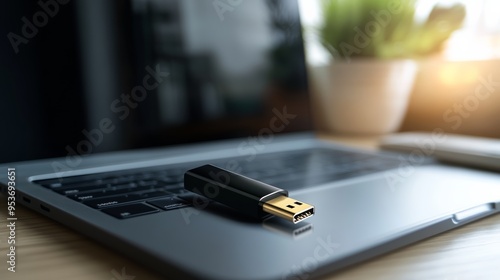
[{"x": 127, "y": 194}]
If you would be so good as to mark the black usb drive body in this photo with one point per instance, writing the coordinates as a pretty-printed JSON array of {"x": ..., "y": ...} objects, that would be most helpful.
[{"x": 249, "y": 196}]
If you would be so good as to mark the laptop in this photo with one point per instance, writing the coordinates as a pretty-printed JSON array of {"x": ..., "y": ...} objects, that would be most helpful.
[{"x": 160, "y": 87}]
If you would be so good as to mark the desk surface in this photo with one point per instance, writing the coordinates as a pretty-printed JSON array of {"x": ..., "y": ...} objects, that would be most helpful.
[{"x": 48, "y": 250}]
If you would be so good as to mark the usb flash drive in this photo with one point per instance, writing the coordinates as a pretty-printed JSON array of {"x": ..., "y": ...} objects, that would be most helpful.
[{"x": 249, "y": 196}]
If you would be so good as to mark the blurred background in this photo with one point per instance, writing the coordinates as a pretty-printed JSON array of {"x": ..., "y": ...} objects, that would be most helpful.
[
  {"x": 447, "y": 77},
  {"x": 65, "y": 62},
  {"x": 152, "y": 72}
]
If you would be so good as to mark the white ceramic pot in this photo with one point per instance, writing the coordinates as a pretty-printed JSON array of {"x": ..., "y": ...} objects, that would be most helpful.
[{"x": 363, "y": 96}]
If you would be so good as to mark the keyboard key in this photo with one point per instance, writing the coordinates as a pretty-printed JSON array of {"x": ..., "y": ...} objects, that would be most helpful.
[
  {"x": 178, "y": 190},
  {"x": 130, "y": 210},
  {"x": 113, "y": 200},
  {"x": 119, "y": 180},
  {"x": 151, "y": 183},
  {"x": 80, "y": 188},
  {"x": 53, "y": 185},
  {"x": 171, "y": 179},
  {"x": 68, "y": 180},
  {"x": 194, "y": 199},
  {"x": 107, "y": 192},
  {"x": 173, "y": 186},
  {"x": 129, "y": 190},
  {"x": 169, "y": 203}
]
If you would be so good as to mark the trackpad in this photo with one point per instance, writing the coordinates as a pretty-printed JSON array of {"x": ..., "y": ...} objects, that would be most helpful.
[{"x": 376, "y": 208}]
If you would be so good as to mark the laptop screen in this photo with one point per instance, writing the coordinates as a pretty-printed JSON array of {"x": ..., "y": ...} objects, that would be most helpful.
[{"x": 149, "y": 73}]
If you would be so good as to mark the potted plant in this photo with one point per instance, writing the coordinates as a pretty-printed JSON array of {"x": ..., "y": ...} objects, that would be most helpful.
[{"x": 373, "y": 45}]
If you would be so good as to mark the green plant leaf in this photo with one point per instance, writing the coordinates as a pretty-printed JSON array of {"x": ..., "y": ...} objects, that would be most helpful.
[{"x": 374, "y": 28}]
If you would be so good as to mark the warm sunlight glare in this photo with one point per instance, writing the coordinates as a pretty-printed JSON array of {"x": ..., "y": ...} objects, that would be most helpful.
[
  {"x": 468, "y": 46},
  {"x": 479, "y": 38},
  {"x": 451, "y": 73}
]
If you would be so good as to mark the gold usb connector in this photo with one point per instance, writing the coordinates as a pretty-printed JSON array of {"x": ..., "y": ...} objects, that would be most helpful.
[
  {"x": 289, "y": 209},
  {"x": 250, "y": 197}
]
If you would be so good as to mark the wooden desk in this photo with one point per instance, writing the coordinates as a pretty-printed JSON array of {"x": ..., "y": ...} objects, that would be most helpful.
[{"x": 48, "y": 250}]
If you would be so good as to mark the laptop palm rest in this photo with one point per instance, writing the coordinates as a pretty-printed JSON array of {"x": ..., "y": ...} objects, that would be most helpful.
[{"x": 355, "y": 220}]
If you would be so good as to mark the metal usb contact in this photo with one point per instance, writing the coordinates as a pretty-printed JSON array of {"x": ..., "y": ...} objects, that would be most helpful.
[
  {"x": 289, "y": 209},
  {"x": 249, "y": 196}
]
